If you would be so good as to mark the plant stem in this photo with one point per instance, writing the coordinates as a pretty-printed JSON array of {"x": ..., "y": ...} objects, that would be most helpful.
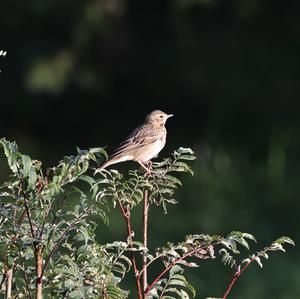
[
  {"x": 145, "y": 239},
  {"x": 2, "y": 284},
  {"x": 168, "y": 268},
  {"x": 25, "y": 204},
  {"x": 21, "y": 219},
  {"x": 38, "y": 252},
  {"x": 9, "y": 279},
  {"x": 58, "y": 242},
  {"x": 150, "y": 262},
  {"x": 236, "y": 276},
  {"x": 27, "y": 286},
  {"x": 126, "y": 215}
]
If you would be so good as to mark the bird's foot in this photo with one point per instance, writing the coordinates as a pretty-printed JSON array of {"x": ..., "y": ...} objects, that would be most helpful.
[{"x": 148, "y": 167}]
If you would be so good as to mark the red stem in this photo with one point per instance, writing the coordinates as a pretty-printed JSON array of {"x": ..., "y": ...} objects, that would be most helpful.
[
  {"x": 38, "y": 252},
  {"x": 236, "y": 276},
  {"x": 126, "y": 215},
  {"x": 56, "y": 245},
  {"x": 145, "y": 239},
  {"x": 25, "y": 202},
  {"x": 167, "y": 269}
]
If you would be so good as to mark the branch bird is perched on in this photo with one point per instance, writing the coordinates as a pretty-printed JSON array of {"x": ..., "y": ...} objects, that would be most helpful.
[{"x": 144, "y": 143}]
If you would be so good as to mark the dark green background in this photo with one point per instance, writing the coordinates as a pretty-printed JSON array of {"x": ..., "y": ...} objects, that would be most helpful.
[{"x": 84, "y": 73}]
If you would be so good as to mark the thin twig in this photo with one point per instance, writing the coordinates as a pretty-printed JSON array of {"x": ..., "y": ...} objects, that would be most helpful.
[
  {"x": 168, "y": 268},
  {"x": 14, "y": 215},
  {"x": 58, "y": 242},
  {"x": 126, "y": 215},
  {"x": 145, "y": 239},
  {"x": 22, "y": 217},
  {"x": 5, "y": 267},
  {"x": 2, "y": 280},
  {"x": 25, "y": 202},
  {"x": 49, "y": 208},
  {"x": 27, "y": 285},
  {"x": 25, "y": 276},
  {"x": 9, "y": 280},
  {"x": 236, "y": 276},
  {"x": 38, "y": 252},
  {"x": 149, "y": 263}
]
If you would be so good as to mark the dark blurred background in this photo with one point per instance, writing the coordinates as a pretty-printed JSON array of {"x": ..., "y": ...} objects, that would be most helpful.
[{"x": 85, "y": 73}]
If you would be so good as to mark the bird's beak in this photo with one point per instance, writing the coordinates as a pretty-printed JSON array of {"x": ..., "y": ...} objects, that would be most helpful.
[{"x": 170, "y": 115}]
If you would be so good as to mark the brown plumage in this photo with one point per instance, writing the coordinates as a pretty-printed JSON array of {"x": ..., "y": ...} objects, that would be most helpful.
[{"x": 144, "y": 143}]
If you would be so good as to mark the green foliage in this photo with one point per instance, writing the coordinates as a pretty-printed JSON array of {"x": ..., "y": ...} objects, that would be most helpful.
[
  {"x": 160, "y": 184},
  {"x": 47, "y": 229},
  {"x": 51, "y": 211},
  {"x": 240, "y": 238},
  {"x": 89, "y": 271},
  {"x": 202, "y": 247},
  {"x": 173, "y": 287}
]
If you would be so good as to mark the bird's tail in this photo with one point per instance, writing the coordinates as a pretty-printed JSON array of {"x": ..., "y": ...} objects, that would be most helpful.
[
  {"x": 111, "y": 161},
  {"x": 104, "y": 165}
]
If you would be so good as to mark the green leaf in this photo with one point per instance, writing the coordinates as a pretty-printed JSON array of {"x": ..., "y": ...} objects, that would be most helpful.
[
  {"x": 175, "y": 269},
  {"x": 171, "y": 178},
  {"x": 27, "y": 163},
  {"x": 249, "y": 236},
  {"x": 11, "y": 153},
  {"x": 88, "y": 179},
  {"x": 187, "y": 157},
  {"x": 285, "y": 239},
  {"x": 99, "y": 151},
  {"x": 76, "y": 294},
  {"x": 32, "y": 178},
  {"x": 257, "y": 259}
]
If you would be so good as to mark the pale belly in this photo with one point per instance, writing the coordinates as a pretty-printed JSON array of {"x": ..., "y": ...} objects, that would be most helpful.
[{"x": 151, "y": 151}]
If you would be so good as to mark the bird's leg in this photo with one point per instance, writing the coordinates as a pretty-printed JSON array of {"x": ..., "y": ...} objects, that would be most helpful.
[
  {"x": 143, "y": 166},
  {"x": 147, "y": 166}
]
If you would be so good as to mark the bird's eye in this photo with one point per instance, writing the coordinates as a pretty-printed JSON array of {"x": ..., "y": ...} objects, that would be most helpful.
[{"x": 161, "y": 116}]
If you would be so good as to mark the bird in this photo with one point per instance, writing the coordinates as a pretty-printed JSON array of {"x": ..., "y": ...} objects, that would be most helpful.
[{"x": 144, "y": 143}]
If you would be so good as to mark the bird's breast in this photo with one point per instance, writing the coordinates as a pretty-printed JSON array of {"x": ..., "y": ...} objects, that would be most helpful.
[{"x": 152, "y": 150}]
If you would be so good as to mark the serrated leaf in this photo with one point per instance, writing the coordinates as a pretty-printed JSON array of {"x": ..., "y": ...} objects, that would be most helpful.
[
  {"x": 230, "y": 244},
  {"x": 32, "y": 178},
  {"x": 88, "y": 179},
  {"x": 264, "y": 254},
  {"x": 99, "y": 150},
  {"x": 241, "y": 241},
  {"x": 188, "y": 264},
  {"x": 27, "y": 163},
  {"x": 171, "y": 178},
  {"x": 285, "y": 239},
  {"x": 11, "y": 153},
  {"x": 246, "y": 261},
  {"x": 257, "y": 259},
  {"x": 187, "y": 157},
  {"x": 175, "y": 269},
  {"x": 249, "y": 236}
]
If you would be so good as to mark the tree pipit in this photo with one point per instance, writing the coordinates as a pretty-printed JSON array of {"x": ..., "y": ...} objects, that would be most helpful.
[{"x": 144, "y": 143}]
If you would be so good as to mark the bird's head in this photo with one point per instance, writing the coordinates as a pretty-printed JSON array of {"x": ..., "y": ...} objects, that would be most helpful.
[{"x": 157, "y": 118}]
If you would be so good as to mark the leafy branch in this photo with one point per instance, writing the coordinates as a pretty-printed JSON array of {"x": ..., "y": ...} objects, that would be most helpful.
[
  {"x": 38, "y": 201},
  {"x": 48, "y": 242},
  {"x": 126, "y": 214},
  {"x": 275, "y": 246}
]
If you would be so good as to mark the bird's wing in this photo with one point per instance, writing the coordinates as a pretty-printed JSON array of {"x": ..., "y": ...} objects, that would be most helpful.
[{"x": 140, "y": 137}]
